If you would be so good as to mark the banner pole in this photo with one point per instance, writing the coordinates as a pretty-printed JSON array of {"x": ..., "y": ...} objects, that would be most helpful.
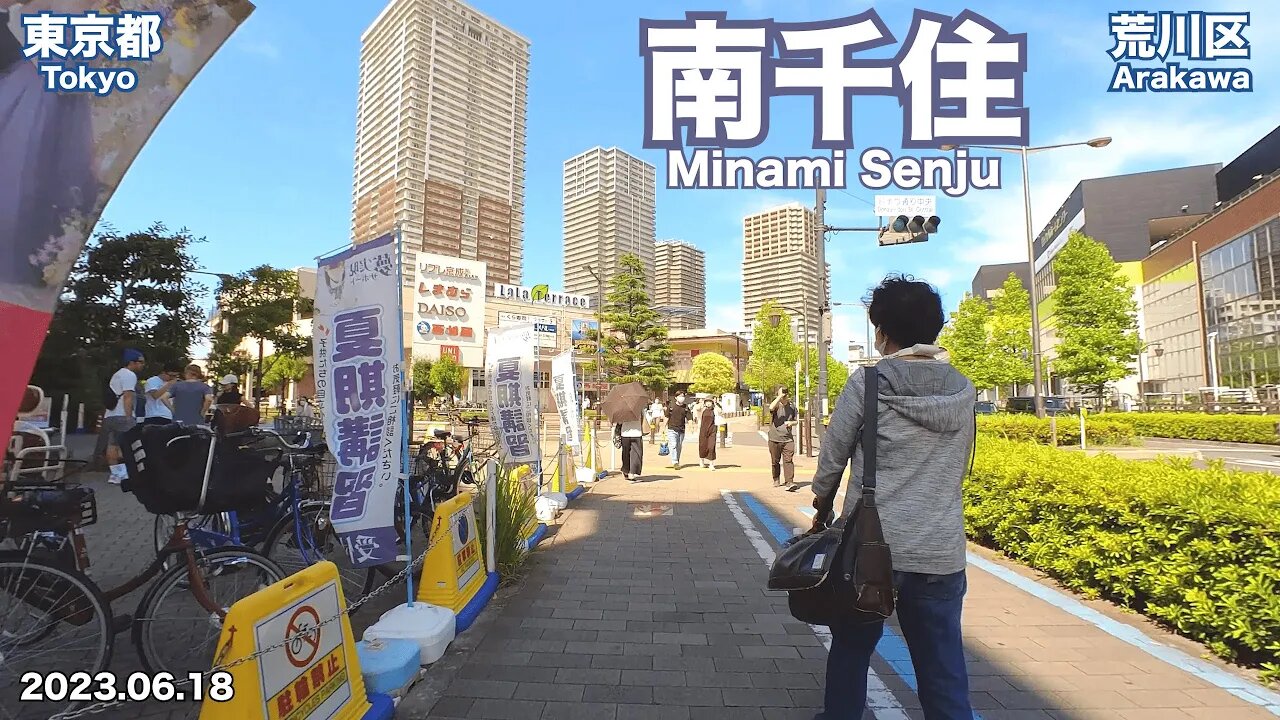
[{"x": 405, "y": 425}]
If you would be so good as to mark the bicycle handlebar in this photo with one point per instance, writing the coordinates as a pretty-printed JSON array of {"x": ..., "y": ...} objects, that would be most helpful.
[{"x": 258, "y": 432}]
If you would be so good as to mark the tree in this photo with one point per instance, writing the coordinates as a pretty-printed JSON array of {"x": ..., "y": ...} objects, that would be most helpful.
[
  {"x": 1095, "y": 314},
  {"x": 712, "y": 373},
  {"x": 261, "y": 303},
  {"x": 226, "y": 359},
  {"x": 1010, "y": 359},
  {"x": 448, "y": 377},
  {"x": 966, "y": 339},
  {"x": 837, "y": 376},
  {"x": 281, "y": 369},
  {"x": 126, "y": 290},
  {"x": 774, "y": 351},
  {"x": 424, "y": 391},
  {"x": 635, "y": 343}
]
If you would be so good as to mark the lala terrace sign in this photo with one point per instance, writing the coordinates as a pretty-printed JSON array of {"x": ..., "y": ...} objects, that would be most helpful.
[{"x": 540, "y": 294}]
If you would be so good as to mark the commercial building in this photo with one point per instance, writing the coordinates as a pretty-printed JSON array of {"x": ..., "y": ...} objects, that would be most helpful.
[
  {"x": 1211, "y": 300},
  {"x": 689, "y": 344},
  {"x": 680, "y": 284},
  {"x": 1128, "y": 214},
  {"x": 610, "y": 210},
  {"x": 440, "y": 135},
  {"x": 988, "y": 280},
  {"x": 780, "y": 263}
]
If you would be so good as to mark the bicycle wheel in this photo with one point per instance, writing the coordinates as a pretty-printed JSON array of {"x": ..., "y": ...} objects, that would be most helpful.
[
  {"x": 51, "y": 618},
  {"x": 299, "y": 542},
  {"x": 172, "y": 631}
]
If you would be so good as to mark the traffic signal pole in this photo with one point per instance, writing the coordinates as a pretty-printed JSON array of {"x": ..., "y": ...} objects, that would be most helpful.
[{"x": 823, "y": 308}]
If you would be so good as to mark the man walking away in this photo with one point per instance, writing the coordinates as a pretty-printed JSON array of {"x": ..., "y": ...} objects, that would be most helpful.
[
  {"x": 631, "y": 440},
  {"x": 120, "y": 416},
  {"x": 925, "y": 428},
  {"x": 782, "y": 444},
  {"x": 677, "y": 419},
  {"x": 159, "y": 394},
  {"x": 192, "y": 397}
]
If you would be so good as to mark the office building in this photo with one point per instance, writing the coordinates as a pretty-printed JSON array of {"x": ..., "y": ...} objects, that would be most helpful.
[
  {"x": 680, "y": 284},
  {"x": 780, "y": 263},
  {"x": 440, "y": 135},
  {"x": 610, "y": 210},
  {"x": 990, "y": 278}
]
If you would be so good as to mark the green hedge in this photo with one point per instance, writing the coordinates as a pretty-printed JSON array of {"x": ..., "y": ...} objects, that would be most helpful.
[
  {"x": 1202, "y": 426},
  {"x": 1197, "y": 550},
  {"x": 1099, "y": 430}
]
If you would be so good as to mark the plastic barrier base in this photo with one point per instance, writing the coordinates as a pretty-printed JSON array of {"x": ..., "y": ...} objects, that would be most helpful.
[
  {"x": 381, "y": 707},
  {"x": 576, "y": 492},
  {"x": 538, "y": 534},
  {"x": 468, "y": 614}
]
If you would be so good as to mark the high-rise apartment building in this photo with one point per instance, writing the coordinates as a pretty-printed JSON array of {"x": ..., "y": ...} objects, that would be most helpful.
[
  {"x": 780, "y": 263},
  {"x": 440, "y": 134},
  {"x": 680, "y": 284},
  {"x": 610, "y": 210}
]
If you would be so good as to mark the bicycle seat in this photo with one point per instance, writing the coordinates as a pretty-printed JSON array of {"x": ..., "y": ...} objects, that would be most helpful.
[{"x": 441, "y": 434}]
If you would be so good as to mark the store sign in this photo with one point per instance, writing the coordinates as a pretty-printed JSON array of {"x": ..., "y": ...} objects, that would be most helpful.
[
  {"x": 448, "y": 309},
  {"x": 541, "y": 325},
  {"x": 1064, "y": 233},
  {"x": 583, "y": 336},
  {"x": 540, "y": 294}
]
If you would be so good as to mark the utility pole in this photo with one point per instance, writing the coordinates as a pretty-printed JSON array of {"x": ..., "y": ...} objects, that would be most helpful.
[{"x": 819, "y": 211}]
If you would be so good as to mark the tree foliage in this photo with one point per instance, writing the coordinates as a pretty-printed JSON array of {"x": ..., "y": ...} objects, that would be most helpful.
[
  {"x": 712, "y": 373},
  {"x": 260, "y": 303},
  {"x": 225, "y": 357},
  {"x": 966, "y": 338},
  {"x": 126, "y": 290},
  {"x": 774, "y": 351},
  {"x": 448, "y": 377},
  {"x": 424, "y": 391},
  {"x": 635, "y": 342},
  {"x": 1095, "y": 314},
  {"x": 837, "y": 376},
  {"x": 1010, "y": 361},
  {"x": 281, "y": 368}
]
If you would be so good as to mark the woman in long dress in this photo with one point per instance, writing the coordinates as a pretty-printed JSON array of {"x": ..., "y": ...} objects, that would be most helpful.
[{"x": 707, "y": 430}]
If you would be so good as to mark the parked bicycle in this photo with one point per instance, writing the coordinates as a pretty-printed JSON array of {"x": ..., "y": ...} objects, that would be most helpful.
[{"x": 54, "y": 617}]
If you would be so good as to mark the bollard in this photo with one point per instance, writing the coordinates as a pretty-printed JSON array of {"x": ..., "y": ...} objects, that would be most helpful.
[{"x": 1082, "y": 433}]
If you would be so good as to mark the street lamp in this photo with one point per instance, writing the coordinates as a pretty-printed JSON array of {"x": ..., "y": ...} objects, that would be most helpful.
[
  {"x": 1156, "y": 350},
  {"x": 599, "y": 330},
  {"x": 1024, "y": 151},
  {"x": 774, "y": 319}
]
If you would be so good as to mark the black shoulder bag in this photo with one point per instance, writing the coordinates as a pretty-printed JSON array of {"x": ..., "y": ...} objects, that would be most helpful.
[{"x": 843, "y": 574}]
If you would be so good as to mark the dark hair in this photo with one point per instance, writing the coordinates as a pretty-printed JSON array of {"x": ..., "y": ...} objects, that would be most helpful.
[
  {"x": 175, "y": 367},
  {"x": 906, "y": 310}
]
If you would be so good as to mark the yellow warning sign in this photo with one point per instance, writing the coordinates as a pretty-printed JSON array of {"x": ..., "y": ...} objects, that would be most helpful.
[
  {"x": 313, "y": 673},
  {"x": 451, "y": 572}
]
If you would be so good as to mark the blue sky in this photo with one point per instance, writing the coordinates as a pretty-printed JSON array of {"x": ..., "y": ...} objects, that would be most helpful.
[{"x": 257, "y": 154}]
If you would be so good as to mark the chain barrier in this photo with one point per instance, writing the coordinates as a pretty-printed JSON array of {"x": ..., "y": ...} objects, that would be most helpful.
[{"x": 218, "y": 662}]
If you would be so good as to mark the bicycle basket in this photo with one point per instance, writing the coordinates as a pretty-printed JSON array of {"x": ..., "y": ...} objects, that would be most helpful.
[
  {"x": 34, "y": 507},
  {"x": 49, "y": 593},
  {"x": 167, "y": 466}
]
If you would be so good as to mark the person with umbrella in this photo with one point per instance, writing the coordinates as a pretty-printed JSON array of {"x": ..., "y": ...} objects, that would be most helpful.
[{"x": 626, "y": 406}]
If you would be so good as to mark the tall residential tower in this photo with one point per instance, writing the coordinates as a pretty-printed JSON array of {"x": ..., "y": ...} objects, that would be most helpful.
[
  {"x": 680, "y": 284},
  {"x": 780, "y": 262},
  {"x": 609, "y": 211},
  {"x": 440, "y": 134}
]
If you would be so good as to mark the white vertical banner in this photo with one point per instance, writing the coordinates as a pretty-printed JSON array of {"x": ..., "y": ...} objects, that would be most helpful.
[
  {"x": 562, "y": 389},
  {"x": 358, "y": 369},
  {"x": 513, "y": 395}
]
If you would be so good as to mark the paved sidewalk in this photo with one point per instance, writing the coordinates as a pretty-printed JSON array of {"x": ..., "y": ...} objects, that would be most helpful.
[{"x": 648, "y": 601}]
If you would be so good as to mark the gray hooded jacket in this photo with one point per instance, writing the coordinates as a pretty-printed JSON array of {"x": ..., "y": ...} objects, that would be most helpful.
[{"x": 925, "y": 437}]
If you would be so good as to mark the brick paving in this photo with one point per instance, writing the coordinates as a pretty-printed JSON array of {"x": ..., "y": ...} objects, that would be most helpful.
[{"x": 628, "y": 614}]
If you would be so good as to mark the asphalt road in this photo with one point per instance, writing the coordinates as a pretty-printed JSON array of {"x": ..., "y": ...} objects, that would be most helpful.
[{"x": 1238, "y": 456}]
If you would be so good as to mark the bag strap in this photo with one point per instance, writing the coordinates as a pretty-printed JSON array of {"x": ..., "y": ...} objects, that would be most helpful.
[{"x": 869, "y": 425}]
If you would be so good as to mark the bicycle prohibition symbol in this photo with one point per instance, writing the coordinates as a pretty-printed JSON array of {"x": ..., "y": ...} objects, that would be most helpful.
[{"x": 304, "y": 636}]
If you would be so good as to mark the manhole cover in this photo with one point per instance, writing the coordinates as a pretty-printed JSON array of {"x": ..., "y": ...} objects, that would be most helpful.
[{"x": 648, "y": 510}]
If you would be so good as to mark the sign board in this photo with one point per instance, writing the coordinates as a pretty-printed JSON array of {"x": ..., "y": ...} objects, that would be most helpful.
[
  {"x": 451, "y": 572},
  {"x": 541, "y": 324},
  {"x": 448, "y": 307},
  {"x": 513, "y": 410},
  {"x": 1059, "y": 241},
  {"x": 909, "y": 205},
  {"x": 562, "y": 389},
  {"x": 540, "y": 294},
  {"x": 315, "y": 675}
]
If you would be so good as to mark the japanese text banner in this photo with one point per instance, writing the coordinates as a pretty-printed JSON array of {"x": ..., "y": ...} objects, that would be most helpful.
[
  {"x": 562, "y": 388},
  {"x": 358, "y": 358},
  {"x": 513, "y": 399}
]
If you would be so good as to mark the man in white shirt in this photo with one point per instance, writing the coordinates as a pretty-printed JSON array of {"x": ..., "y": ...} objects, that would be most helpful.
[
  {"x": 159, "y": 401},
  {"x": 121, "y": 416}
]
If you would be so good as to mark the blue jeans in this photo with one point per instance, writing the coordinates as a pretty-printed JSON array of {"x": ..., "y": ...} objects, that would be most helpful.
[
  {"x": 675, "y": 438},
  {"x": 928, "y": 610}
]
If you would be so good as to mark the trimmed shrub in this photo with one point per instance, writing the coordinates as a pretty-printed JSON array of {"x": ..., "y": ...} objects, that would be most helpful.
[
  {"x": 1196, "y": 550},
  {"x": 1202, "y": 426},
  {"x": 1028, "y": 428}
]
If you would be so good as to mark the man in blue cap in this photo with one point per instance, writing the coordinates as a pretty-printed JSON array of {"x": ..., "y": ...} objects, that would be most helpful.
[{"x": 120, "y": 414}]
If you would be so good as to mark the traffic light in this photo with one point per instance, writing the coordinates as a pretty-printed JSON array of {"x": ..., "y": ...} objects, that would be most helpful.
[{"x": 904, "y": 230}]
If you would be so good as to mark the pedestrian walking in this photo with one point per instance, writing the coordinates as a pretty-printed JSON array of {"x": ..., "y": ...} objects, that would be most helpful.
[
  {"x": 925, "y": 429},
  {"x": 118, "y": 399},
  {"x": 707, "y": 432},
  {"x": 192, "y": 397},
  {"x": 230, "y": 393},
  {"x": 630, "y": 437},
  {"x": 158, "y": 390},
  {"x": 782, "y": 442},
  {"x": 658, "y": 425},
  {"x": 677, "y": 420}
]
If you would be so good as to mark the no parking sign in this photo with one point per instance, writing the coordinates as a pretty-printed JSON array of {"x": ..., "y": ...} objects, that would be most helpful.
[{"x": 309, "y": 676}]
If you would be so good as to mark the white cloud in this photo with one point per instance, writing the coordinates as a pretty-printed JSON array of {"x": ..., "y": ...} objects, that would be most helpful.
[{"x": 262, "y": 48}]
